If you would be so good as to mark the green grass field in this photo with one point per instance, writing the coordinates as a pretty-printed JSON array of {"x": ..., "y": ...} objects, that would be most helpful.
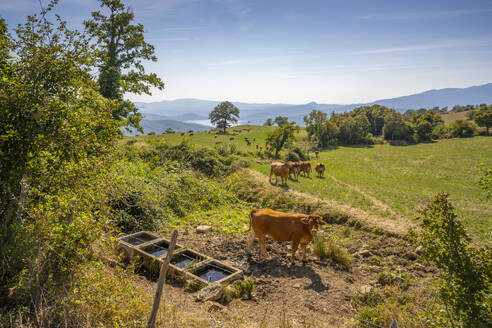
[{"x": 402, "y": 178}]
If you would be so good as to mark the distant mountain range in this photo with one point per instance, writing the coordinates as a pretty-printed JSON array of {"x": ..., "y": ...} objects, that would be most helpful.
[{"x": 185, "y": 110}]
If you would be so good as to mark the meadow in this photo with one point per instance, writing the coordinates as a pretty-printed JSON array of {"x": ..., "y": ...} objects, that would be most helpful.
[{"x": 388, "y": 181}]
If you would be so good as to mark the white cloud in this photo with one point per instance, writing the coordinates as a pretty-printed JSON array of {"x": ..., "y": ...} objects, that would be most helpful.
[{"x": 425, "y": 14}]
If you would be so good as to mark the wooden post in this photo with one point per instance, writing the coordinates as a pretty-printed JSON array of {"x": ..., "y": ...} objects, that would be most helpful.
[
  {"x": 393, "y": 324},
  {"x": 162, "y": 279}
]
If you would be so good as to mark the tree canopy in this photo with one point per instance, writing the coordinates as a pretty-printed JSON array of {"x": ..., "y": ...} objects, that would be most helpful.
[
  {"x": 224, "y": 115},
  {"x": 120, "y": 49},
  {"x": 281, "y": 137},
  {"x": 483, "y": 117}
]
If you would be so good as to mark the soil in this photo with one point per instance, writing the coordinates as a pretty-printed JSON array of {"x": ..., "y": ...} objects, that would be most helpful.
[{"x": 318, "y": 293}]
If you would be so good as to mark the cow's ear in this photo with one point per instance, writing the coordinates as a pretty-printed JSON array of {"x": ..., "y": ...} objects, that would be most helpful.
[{"x": 305, "y": 220}]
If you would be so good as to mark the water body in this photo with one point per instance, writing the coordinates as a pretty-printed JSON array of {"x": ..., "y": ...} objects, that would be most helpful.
[
  {"x": 207, "y": 122},
  {"x": 212, "y": 274}
]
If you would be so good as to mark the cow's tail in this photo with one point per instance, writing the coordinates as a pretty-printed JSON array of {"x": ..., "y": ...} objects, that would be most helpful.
[{"x": 248, "y": 228}]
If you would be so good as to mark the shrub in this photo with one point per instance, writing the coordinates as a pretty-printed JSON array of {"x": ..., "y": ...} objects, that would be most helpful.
[
  {"x": 466, "y": 271},
  {"x": 463, "y": 129},
  {"x": 440, "y": 132},
  {"x": 326, "y": 247},
  {"x": 291, "y": 157},
  {"x": 238, "y": 289}
]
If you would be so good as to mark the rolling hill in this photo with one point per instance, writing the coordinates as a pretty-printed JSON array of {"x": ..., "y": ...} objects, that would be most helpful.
[{"x": 257, "y": 113}]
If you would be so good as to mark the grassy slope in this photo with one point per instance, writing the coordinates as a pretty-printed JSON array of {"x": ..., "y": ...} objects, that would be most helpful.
[
  {"x": 451, "y": 117},
  {"x": 403, "y": 177}
]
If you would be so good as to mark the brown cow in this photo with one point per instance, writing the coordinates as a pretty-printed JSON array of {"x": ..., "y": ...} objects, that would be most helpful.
[
  {"x": 182, "y": 133},
  {"x": 231, "y": 138},
  {"x": 296, "y": 228},
  {"x": 320, "y": 169},
  {"x": 294, "y": 169},
  {"x": 316, "y": 153},
  {"x": 305, "y": 167},
  {"x": 280, "y": 170}
]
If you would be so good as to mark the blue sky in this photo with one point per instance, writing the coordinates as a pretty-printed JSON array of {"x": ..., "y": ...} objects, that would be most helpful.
[{"x": 302, "y": 51}]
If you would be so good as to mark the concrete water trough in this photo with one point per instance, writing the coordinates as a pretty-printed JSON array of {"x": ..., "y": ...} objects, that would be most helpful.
[
  {"x": 185, "y": 263},
  {"x": 129, "y": 243}
]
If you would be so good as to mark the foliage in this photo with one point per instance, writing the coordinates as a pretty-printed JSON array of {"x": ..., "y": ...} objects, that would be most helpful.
[
  {"x": 483, "y": 117},
  {"x": 238, "y": 289},
  {"x": 121, "y": 47},
  {"x": 321, "y": 132},
  {"x": 282, "y": 136},
  {"x": 224, "y": 115},
  {"x": 425, "y": 123},
  {"x": 486, "y": 181},
  {"x": 326, "y": 247},
  {"x": 352, "y": 129},
  {"x": 169, "y": 130},
  {"x": 462, "y": 129},
  {"x": 376, "y": 115},
  {"x": 395, "y": 128},
  {"x": 281, "y": 120},
  {"x": 465, "y": 287},
  {"x": 56, "y": 133},
  {"x": 268, "y": 122},
  {"x": 465, "y": 108}
]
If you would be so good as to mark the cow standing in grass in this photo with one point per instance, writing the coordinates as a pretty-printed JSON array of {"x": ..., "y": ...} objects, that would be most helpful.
[
  {"x": 281, "y": 170},
  {"x": 299, "y": 229},
  {"x": 320, "y": 169},
  {"x": 305, "y": 167}
]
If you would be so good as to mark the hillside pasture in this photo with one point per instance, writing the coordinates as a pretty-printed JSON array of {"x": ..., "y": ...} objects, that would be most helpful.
[
  {"x": 396, "y": 181},
  {"x": 392, "y": 182}
]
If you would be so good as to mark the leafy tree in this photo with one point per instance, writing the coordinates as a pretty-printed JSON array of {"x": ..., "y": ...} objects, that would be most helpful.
[
  {"x": 395, "y": 128},
  {"x": 483, "y": 117},
  {"x": 467, "y": 271},
  {"x": 169, "y": 130},
  {"x": 224, "y": 115},
  {"x": 282, "y": 136},
  {"x": 281, "y": 120},
  {"x": 353, "y": 129},
  {"x": 375, "y": 114},
  {"x": 268, "y": 122},
  {"x": 321, "y": 132},
  {"x": 462, "y": 128},
  {"x": 56, "y": 134},
  {"x": 121, "y": 47}
]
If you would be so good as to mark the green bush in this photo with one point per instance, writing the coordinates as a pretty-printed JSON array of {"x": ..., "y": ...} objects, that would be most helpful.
[
  {"x": 463, "y": 129},
  {"x": 291, "y": 157},
  {"x": 326, "y": 247},
  {"x": 465, "y": 284}
]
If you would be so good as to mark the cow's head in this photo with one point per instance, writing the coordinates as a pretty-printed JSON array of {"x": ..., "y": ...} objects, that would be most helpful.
[{"x": 314, "y": 222}]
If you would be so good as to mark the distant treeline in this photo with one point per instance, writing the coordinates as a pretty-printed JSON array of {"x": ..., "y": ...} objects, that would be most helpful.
[{"x": 374, "y": 124}]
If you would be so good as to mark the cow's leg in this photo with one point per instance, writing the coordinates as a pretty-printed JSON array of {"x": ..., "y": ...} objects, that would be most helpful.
[
  {"x": 303, "y": 250},
  {"x": 261, "y": 241},
  {"x": 295, "y": 245},
  {"x": 251, "y": 241}
]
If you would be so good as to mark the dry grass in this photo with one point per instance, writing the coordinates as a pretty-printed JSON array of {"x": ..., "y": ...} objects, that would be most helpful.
[{"x": 326, "y": 247}]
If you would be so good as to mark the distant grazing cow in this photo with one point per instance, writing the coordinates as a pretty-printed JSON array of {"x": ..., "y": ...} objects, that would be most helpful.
[
  {"x": 231, "y": 138},
  {"x": 320, "y": 169},
  {"x": 254, "y": 139},
  {"x": 191, "y": 134},
  {"x": 191, "y": 131},
  {"x": 316, "y": 153},
  {"x": 182, "y": 133},
  {"x": 215, "y": 137},
  {"x": 257, "y": 146},
  {"x": 294, "y": 169},
  {"x": 261, "y": 148},
  {"x": 296, "y": 228},
  {"x": 281, "y": 170},
  {"x": 218, "y": 142},
  {"x": 305, "y": 167}
]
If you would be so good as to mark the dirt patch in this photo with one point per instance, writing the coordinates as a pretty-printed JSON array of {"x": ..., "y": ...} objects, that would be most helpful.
[{"x": 317, "y": 294}]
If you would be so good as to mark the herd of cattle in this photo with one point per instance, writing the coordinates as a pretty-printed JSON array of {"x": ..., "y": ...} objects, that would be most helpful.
[
  {"x": 299, "y": 229},
  {"x": 289, "y": 169}
]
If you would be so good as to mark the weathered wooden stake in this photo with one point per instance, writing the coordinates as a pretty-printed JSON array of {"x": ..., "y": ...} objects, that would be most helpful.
[
  {"x": 393, "y": 324},
  {"x": 162, "y": 279}
]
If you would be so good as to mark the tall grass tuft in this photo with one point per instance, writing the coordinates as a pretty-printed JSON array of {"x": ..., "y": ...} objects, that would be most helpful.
[{"x": 326, "y": 247}]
